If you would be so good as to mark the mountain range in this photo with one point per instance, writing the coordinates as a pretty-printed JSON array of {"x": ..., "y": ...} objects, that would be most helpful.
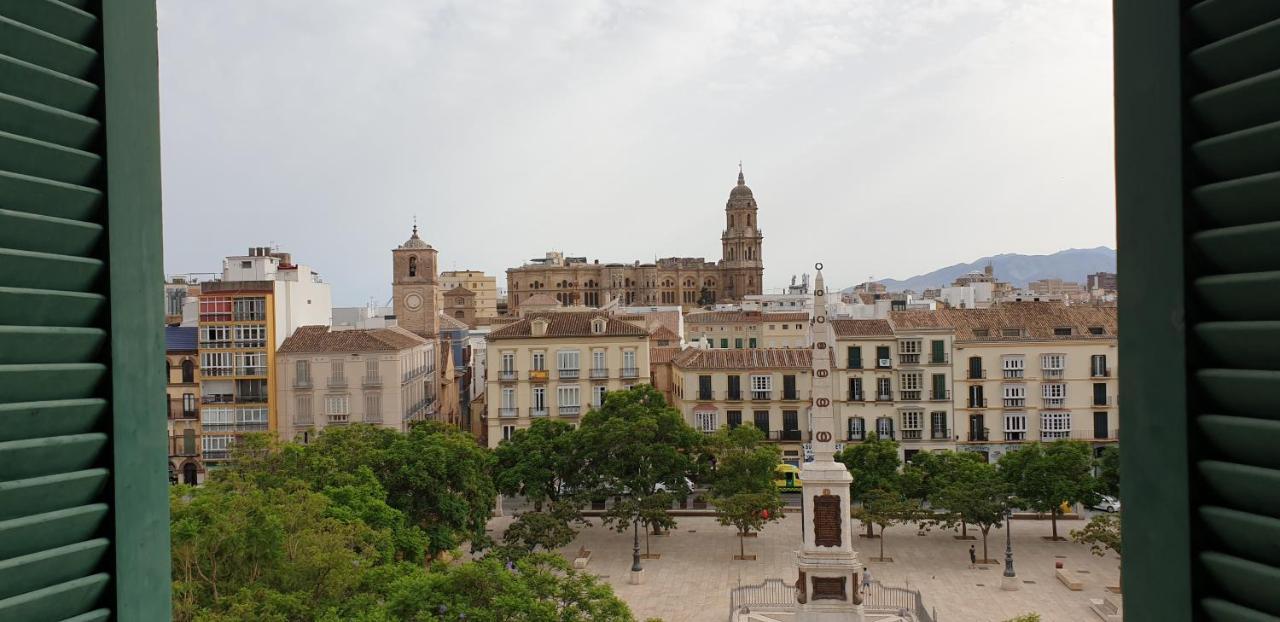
[{"x": 1069, "y": 265}]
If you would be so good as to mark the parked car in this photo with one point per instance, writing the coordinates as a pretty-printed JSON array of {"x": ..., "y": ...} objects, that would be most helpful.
[{"x": 1107, "y": 503}]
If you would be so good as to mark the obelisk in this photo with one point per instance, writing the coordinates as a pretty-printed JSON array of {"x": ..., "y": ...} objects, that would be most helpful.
[{"x": 828, "y": 585}]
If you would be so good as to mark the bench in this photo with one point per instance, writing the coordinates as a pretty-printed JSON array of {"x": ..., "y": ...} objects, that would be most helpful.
[
  {"x": 580, "y": 560},
  {"x": 1105, "y": 609},
  {"x": 1073, "y": 584}
]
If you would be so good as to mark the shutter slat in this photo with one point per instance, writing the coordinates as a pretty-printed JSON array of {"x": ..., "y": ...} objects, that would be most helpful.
[
  {"x": 1248, "y": 583},
  {"x": 50, "y": 567},
  {"x": 1247, "y": 440},
  {"x": 1246, "y": 248},
  {"x": 48, "y": 270},
  {"x": 41, "y": 122},
  {"x": 42, "y": 382},
  {"x": 26, "y": 535},
  {"x": 45, "y": 86},
  {"x": 51, "y": 492},
  {"x": 41, "y": 48},
  {"x": 1241, "y": 345},
  {"x": 45, "y": 456},
  {"x": 1238, "y": 106},
  {"x": 54, "y": 17},
  {"x": 43, "y": 159},
  {"x": 1240, "y": 296},
  {"x": 97, "y": 615},
  {"x": 1240, "y": 154},
  {"x": 24, "y": 420},
  {"x": 1239, "y": 201},
  {"x": 50, "y": 344},
  {"x": 47, "y": 234},
  {"x": 1246, "y": 392},
  {"x": 1242, "y": 55},
  {"x": 1240, "y": 534},
  {"x": 1223, "y": 611},
  {"x": 57, "y": 602},
  {"x": 1218, "y": 19},
  {"x": 33, "y": 195},
  {"x": 43, "y": 307},
  {"x": 1241, "y": 487}
]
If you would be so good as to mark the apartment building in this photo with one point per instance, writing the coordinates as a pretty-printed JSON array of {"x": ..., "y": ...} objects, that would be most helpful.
[
  {"x": 558, "y": 365},
  {"x": 380, "y": 376},
  {"x": 766, "y": 387},
  {"x": 484, "y": 287},
  {"x": 261, "y": 299},
  {"x": 1028, "y": 371},
  {"x": 182, "y": 363},
  {"x": 459, "y": 303},
  {"x": 739, "y": 329}
]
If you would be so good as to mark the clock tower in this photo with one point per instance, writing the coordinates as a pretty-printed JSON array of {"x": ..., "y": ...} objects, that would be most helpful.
[{"x": 413, "y": 286}]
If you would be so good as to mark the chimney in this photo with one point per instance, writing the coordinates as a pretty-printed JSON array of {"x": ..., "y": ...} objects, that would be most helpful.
[{"x": 538, "y": 327}]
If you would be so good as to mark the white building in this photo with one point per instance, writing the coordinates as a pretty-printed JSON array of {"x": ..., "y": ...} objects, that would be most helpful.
[{"x": 300, "y": 297}]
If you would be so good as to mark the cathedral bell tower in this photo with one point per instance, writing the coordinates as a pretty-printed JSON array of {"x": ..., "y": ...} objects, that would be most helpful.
[
  {"x": 742, "y": 267},
  {"x": 413, "y": 287}
]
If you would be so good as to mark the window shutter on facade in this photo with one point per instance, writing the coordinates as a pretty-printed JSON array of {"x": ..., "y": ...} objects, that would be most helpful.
[
  {"x": 1198, "y": 175},
  {"x": 83, "y": 478}
]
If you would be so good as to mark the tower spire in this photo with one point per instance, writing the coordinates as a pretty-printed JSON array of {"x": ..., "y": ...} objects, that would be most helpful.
[
  {"x": 415, "y": 226},
  {"x": 742, "y": 181}
]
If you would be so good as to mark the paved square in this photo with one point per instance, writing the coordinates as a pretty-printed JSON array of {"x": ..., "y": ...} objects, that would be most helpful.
[{"x": 692, "y": 579}]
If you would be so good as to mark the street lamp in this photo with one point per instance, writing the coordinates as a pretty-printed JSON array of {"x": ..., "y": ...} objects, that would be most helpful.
[
  {"x": 635, "y": 550},
  {"x": 1010, "y": 579}
]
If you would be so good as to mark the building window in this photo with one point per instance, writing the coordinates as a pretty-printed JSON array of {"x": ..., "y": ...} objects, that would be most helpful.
[
  {"x": 302, "y": 408},
  {"x": 855, "y": 389},
  {"x": 337, "y": 405},
  {"x": 598, "y": 394},
  {"x": 1015, "y": 395},
  {"x": 734, "y": 418},
  {"x": 911, "y": 384},
  {"x": 508, "y": 363},
  {"x": 882, "y": 357},
  {"x": 912, "y": 424},
  {"x": 216, "y": 363},
  {"x": 508, "y": 398},
  {"x": 884, "y": 390},
  {"x": 1097, "y": 330},
  {"x": 413, "y": 266},
  {"x": 508, "y": 431},
  {"x": 568, "y": 395},
  {"x": 884, "y": 427},
  {"x": 188, "y": 404},
  {"x": 938, "y": 425},
  {"x": 251, "y": 419},
  {"x": 751, "y": 342},
  {"x": 1097, "y": 366},
  {"x": 629, "y": 361},
  {"x": 857, "y": 429},
  {"x": 567, "y": 363},
  {"x": 188, "y": 371},
  {"x": 251, "y": 364},
  {"x": 597, "y": 360},
  {"x": 218, "y": 418},
  {"x": 1054, "y": 394},
  {"x": 302, "y": 373},
  {"x": 539, "y": 398},
  {"x": 981, "y": 332},
  {"x": 1014, "y": 365},
  {"x": 724, "y": 344},
  {"x": 1055, "y": 425},
  {"x": 1053, "y": 365},
  {"x": 1015, "y": 426},
  {"x": 761, "y": 387},
  {"x": 216, "y": 443},
  {"x": 855, "y": 357},
  {"x": 704, "y": 421},
  {"x": 337, "y": 370},
  {"x": 761, "y": 420},
  {"x": 215, "y": 336},
  {"x": 249, "y": 309},
  {"x": 1010, "y": 332},
  {"x": 737, "y": 343},
  {"x": 373, "y": 408},
  {"x": 251, "y": 336},
  {"x": 539, "y": 361}
]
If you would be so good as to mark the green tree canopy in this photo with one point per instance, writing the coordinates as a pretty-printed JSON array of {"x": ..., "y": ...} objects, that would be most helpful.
[
  {"x": 1044, "y": 476},
  {"x": 972, "y": 492},
  {"x": 541, "y": 463},
  {"x": 1109, "y": 470},
  {"x": 1102, "y": 532},
  {"x": 742, "y": 487},
  {"x": 884, "y": 508},
  {"x": 873, "y": 464}
]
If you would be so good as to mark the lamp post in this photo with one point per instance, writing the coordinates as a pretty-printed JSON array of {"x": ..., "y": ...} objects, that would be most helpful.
[
  {"x": 636, "y": 569},
  {"x": 1010, "y": 579}
]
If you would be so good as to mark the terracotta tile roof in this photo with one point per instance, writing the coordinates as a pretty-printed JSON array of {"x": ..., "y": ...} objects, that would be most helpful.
[
  {"x": 786, "y": 316},
  {"x": 312, "y": 339},
  {"x": 757, "y": 358},
  {"x": 661, "y": 333},
  {"x": 1035, "y": 320},
  {"x": 568, "y": 324},
  {"x": 541, "y": 300},
  {"x": 451, "y": 323},
  {"x": 662, "y": 356},
  {"x": 723, "y": 317},
  {"x": 862, "y": 328}
]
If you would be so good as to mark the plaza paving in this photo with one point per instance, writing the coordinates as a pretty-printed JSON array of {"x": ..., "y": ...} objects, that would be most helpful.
[{"x": 691, "y": 580}]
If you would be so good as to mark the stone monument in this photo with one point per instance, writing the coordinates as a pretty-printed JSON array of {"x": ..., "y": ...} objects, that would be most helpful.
[{"x": 829, "y": 584}]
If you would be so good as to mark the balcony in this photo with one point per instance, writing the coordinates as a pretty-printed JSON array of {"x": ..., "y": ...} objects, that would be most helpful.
[
  {"x": 1052, "y": 374},
  {"x": 507, "y": 375},
  {"x": 630, "y": 372},
  {"x": 976, "y": 374},
  {"x": 936, "y": 358},
  {"x": 177, "y": 411},
  {"x": 974, "y": 402},
  {"x": 215, "y": 344},
  {"x": 855, "y": 435},
  {"x": 1096, "y": 435},
  {"x": 1099, "y": 373},
  {"x": 912, "y": 435},
  {"x": 884, "y": 397},
  {"x": 178, "y": 446},
  {"x": 940, "y": 434},
  {"x": 790, "y": 396},
  {"x": 884, "y": 363},
  {"x": 567, "y": 374},
  {"x": 217, "y": 398},
  {"x": 600, "y": 373},
  {"x": 255, "y": 426},
  {"x": 1013, "y": 373},
  {"x": 371, "y": 381},
  {"x": 1103, "y": 400},
  {"x": 538, "y": 375},
  {"x": 215, "y": 372},
  {"x": 537, "y": 412},
  {"x": 1015, "y": 402},
  {"x": 885, "y": 434},
  {"x": 733, "y": 396},
  {"x": 1015, "y": 436},
  {"x": 940, "y": 396},
  {"x": 569, "y": 411},
  {"x": 302, "y": 383},
  {"x": 761, "y": 396},
  {"x": 787, "y": 435},
  {"x": 252, "y": 372},
  {"x": 339, "y": 419},
  {"x": 508, "y": 413},
  {"x": 978, "y": 436},
  {"x": 1054, "y": 402},
  {"x": 337, "y": 382},
  {"x": 855, "y": 396},
  {"x": 909, "y": 396},
  {"x": 908, "y": 359},
  {"x": 216, "y": 454},
  {"x": 251, "y": 398},
  {"x": 706, "y": 396}
]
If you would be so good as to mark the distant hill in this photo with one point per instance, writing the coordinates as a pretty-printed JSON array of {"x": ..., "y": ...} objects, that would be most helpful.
[{"x": 1070, "y": 265}]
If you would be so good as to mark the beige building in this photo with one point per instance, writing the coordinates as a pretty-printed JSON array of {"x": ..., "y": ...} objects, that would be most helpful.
[
  {"x": 459, "y": 304},
  {"x": 1028, "y": 372},
  {"x": 738, "y": 329},
  {"x": 483, "y": 286},
  {"x": 558, "y": 365},
  {"x": 182, "y": 363},
  {"x": 379, "y": 376},
  {"x": 768, "y": 388},
  {"x": 686, "y": 281}
]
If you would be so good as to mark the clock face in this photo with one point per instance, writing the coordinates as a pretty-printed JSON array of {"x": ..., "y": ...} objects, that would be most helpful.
[{"x": 413, "y": 301}]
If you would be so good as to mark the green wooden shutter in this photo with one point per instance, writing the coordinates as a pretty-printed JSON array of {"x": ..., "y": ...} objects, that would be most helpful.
[
  {"x": 83, "y": 496},
  {"x": 1198, "y": 175},
  {"x": 938, "y": 352}
]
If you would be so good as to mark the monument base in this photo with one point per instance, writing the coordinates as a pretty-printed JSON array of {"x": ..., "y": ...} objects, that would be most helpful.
[
  {"x": 1009, "y": 584},
  {"x": 637, "y": 577}
]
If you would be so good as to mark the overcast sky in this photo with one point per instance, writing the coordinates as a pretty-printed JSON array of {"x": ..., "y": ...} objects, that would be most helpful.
[{"x": 883, "y": 137}]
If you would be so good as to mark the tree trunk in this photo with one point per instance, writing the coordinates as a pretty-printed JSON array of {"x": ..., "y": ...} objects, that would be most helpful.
[
  {"x": 871, "y": 529},
  {"x": 646, "y": 544},
  {"x": 984, "y": 542},
  {"x": 742, "y": 546},
  {"x": 882, "y": 543},
  {"x": 964, "y": 528},
  {"x": 1053, "y": 518}
]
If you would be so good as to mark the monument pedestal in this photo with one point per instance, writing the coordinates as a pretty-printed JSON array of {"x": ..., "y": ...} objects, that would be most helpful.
[
  {"x": 637, "y": 577},
  {"x": 1009, "y": 584}
]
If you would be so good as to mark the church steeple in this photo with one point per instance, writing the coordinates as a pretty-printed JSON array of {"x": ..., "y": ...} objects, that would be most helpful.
[
  {"x": 741, "y": 243},
  {"x": 742, "y": 181}
]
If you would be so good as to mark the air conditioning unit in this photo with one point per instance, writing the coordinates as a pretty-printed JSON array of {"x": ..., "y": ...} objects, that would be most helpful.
[{"x": 885, "y": 362}]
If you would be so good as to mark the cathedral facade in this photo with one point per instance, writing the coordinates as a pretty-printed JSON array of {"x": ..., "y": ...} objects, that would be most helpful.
[{"x": 687, "y": 281}]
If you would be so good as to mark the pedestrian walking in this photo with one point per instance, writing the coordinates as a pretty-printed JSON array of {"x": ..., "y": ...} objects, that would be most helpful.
[
  {"x": 973, "y": 557},
  {"x": 866, "y": 580}
]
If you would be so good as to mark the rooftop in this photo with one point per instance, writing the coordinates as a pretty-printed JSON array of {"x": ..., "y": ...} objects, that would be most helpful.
[
  {"x": 862, "y": 328},
  {"x": 311, "y": 339},
  {"x": 754, "y": 358},
  {"x": 1035, "y": 321},
  {"x": 180, "y": 338},
  {"x": 568, "y": 324}
]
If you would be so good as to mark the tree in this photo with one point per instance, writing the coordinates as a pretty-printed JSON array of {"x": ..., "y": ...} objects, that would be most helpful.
[
  {"x": 638, "y": 448},
  {"x": 742, "y": 487},
  {"x": 884, "y": 508},
  {"x": 973, "y": 492},
  {"x": 541, "y": 463},
  {"x": 874, "y": 465},
  {"x": 1043, "y": 477},
  {"x": 1109, "y": 471},
  {"x": 549, "y": 530},
  {"x": 1102, "y": 532}
]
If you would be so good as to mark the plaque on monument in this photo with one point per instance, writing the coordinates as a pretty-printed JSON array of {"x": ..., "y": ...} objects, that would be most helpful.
[
  {"x": 826, "y": 520},
  {"x": 828, "y": 588}
]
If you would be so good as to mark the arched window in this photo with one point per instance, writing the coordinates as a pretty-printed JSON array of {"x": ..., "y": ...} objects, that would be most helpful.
[
  {"x": 188, "y": 371},
  {"x": 458, "y": 314},
  {"x": 168, "y": 371},
  {"x": 413, "y": 266}
]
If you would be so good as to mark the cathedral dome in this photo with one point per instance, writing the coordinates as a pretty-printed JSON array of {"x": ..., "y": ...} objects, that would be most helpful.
[
  {"x": 414, "y": 241},
  {"x": 741, "y": 191}
]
